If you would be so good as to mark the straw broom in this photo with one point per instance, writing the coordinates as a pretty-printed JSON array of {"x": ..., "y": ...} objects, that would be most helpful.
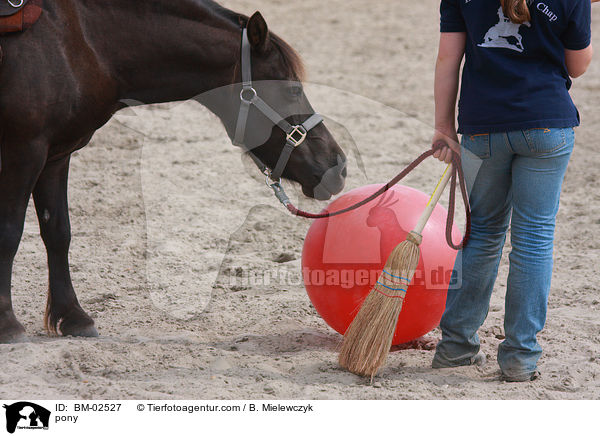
[{"x": 368, "y": 340}]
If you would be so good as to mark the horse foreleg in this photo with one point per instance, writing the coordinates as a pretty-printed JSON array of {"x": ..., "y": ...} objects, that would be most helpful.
[
  {"x": 11, "y": 330},
  {"x": 62, "y": 308},
  {"x": 20, "y": 169}
]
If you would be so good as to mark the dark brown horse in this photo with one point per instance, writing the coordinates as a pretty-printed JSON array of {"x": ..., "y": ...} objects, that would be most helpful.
[{"x": 65, "y": 77}]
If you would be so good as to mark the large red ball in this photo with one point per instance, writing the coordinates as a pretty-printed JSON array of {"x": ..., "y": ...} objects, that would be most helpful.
[{"x": 343, "y": 257}]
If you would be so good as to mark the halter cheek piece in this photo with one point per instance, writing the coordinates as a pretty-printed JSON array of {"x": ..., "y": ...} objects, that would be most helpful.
[{"x": 295, "y": 135}]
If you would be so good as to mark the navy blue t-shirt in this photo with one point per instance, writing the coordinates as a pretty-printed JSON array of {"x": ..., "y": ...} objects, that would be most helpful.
[{"x": 515, "y": 76}]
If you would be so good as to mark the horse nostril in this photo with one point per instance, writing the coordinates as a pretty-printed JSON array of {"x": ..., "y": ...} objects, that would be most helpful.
[{"x": 340, "y": 165}]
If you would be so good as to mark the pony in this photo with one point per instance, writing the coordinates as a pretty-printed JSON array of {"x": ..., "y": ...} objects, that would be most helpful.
[{"x": 83, "y": 61}]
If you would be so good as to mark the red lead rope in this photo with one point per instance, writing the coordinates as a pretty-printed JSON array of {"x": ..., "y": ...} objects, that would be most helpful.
[{"x": 457, "y": 173}]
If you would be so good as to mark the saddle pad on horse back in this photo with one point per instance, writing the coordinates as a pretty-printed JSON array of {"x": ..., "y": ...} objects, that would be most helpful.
[
  {"x": 17, "y": 16},
  {"x": 11, "y": 7}
]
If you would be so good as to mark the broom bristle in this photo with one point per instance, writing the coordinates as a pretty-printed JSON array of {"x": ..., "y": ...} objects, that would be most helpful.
[{"x": 368, "y": 340}]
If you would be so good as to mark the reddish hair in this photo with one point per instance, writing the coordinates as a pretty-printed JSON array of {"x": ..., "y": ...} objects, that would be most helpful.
[{"x": 516, "y": 10}]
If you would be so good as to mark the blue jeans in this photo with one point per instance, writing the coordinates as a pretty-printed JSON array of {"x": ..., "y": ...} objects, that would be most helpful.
[{"x": 519, "y": 180}]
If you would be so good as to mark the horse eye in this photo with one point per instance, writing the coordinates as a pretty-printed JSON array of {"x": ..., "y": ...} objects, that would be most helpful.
[{"x": 295, "y": 91}]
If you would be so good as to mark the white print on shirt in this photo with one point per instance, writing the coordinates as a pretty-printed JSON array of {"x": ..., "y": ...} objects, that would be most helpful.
[
  {"x": 505, "y": 34},
  {"x": 543, "y": 7}
]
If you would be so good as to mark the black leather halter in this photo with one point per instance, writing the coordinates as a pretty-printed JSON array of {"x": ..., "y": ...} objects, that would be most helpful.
[{"x": 295, "y": 135}]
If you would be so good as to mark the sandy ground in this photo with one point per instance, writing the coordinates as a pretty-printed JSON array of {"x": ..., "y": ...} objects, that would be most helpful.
[{"x": 168, "y": 219}]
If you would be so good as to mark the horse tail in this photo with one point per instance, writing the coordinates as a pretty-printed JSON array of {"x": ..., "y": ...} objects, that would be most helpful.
[{"x": 50, "y": 318}]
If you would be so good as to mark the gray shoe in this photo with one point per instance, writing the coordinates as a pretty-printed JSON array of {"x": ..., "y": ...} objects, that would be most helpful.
[
  {"x": 525, "y": 377},
  {"x": 478, "y": 360}
]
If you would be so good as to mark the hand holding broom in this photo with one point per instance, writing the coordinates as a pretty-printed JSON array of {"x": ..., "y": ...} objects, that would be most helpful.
[{"x": 368, "y": 340}]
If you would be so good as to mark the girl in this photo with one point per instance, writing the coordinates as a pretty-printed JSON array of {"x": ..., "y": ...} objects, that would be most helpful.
[{"x": 516, "y": 118}]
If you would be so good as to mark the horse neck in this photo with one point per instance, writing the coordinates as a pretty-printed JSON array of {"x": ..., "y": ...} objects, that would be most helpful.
[{"x": 162, "y": 50}]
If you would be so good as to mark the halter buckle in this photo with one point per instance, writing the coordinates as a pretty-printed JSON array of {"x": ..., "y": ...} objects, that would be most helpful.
[{"x": 297, "y": 135}]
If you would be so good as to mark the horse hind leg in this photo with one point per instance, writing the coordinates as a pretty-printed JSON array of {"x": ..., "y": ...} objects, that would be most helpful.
[{"x": 63, "y": 310}]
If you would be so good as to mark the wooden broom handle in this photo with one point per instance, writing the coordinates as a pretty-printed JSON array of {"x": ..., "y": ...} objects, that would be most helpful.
[{"x": 433, "y": 201}]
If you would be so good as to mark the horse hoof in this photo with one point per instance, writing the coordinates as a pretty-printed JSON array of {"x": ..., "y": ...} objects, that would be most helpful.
[
  {"x": 83, "y": 332},
  {"x": 13, "y": 338},
  {"x": 78, "y": 323},
  {"x": 11, "y": 331},
  {"x": 74, "y": 322}
]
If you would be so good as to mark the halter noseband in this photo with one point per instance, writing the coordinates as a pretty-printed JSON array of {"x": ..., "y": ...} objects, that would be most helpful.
[{"x": 295, "y": 135}]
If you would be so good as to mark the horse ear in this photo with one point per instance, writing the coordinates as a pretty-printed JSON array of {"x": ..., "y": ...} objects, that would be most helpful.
[{"x": 258, "y": 32}]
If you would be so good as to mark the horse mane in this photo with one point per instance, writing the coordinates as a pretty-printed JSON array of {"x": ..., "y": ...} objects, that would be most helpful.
[{"x": 291, "y": 58}]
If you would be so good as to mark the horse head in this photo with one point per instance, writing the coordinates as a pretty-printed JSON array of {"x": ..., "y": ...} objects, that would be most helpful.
[{"x": 318, "y": 164}]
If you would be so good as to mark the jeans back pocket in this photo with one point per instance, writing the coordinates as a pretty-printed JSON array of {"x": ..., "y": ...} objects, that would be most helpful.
[
  {"x": 479, "y": 145},
  {"x": 546, "y": 140}
]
